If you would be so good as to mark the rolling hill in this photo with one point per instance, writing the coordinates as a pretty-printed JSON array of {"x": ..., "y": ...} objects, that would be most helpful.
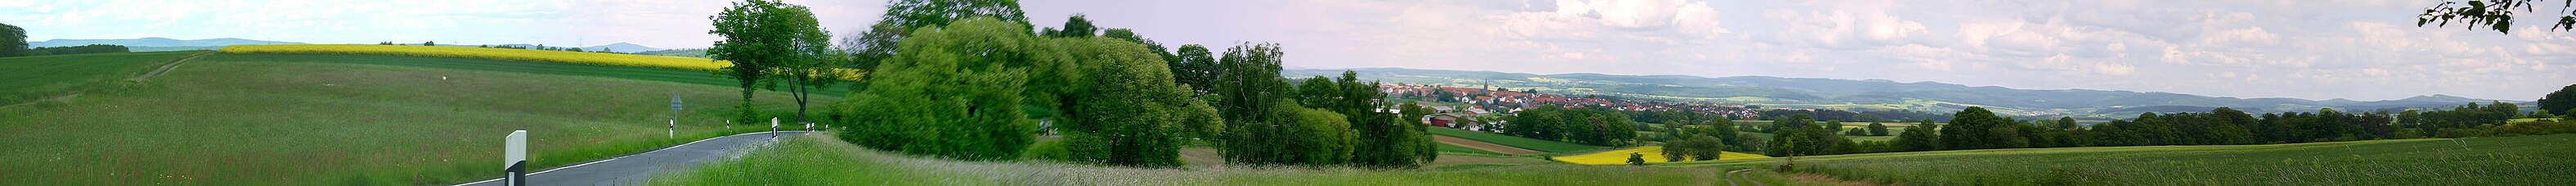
[
  {"x": 340, "y": 119},
  {"x": 1818, "y": 92}
]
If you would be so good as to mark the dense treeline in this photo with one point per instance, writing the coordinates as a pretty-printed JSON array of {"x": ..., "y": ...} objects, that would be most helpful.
[
  {"x": 1861, "y": 116},
  {"x": 1589, "y": 126},
  {"x": 1976, "y": 128},
  {"x": 13, "y": 43},
  {"x": 83, "y": 49},
  {"x": 970, "y": 80},
  {"x": 1269, "y": 122}
]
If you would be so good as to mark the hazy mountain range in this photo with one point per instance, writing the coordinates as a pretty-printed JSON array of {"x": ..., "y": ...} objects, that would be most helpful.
[{"x": 1881, "y": 94}]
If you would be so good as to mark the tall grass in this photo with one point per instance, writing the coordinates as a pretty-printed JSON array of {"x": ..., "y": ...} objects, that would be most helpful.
[
  {"x": 821, "y": 160},
  {"x": 2524, "y": 160},
  {"x": 230, "y": 119}
]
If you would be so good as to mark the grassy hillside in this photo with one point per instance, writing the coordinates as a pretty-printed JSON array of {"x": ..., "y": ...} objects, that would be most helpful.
[
  {"x": 257, "y": 119},
  {"x": 2523, "y": 160},
  {"x": 821, "y": 160},
  {"x": 1519, "y": 142},
  {"x": 24, "y": 79}
]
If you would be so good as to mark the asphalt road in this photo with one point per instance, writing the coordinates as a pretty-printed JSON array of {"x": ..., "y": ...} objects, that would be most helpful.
[{"x": 638, "y": 168}]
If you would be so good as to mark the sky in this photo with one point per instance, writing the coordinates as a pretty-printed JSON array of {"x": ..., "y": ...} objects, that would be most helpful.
[{"x": 2310, "y": 49}]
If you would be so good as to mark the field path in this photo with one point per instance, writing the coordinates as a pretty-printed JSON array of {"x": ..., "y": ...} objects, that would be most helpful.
[
  {"x": 173, "y": 64},
  {"x": 1479, "y": 145},
  {"x": 1741, "y": 174},
  {"x": 637, "y": 168}
]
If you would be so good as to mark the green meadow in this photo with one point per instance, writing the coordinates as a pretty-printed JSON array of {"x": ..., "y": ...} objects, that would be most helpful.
[
  {"x": 34, "y": 78},
  {"x": 263, "y": 119}
]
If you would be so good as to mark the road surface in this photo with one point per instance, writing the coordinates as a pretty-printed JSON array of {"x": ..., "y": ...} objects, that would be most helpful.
[{"x": 638, "y": 168}]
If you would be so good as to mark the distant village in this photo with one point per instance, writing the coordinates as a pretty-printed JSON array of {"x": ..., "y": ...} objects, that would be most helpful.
[{"x": 1476, "y": 107}]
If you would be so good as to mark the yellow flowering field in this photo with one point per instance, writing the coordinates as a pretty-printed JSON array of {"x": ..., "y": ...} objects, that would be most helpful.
[
  {"x": 1654, "y": 154},
  {"x": 592, "y": 58}
]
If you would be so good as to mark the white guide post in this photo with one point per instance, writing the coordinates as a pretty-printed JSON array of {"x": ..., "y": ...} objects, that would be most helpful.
[
  {"x": 773, "y": 128},
  {"x": 515, "y": 158}
]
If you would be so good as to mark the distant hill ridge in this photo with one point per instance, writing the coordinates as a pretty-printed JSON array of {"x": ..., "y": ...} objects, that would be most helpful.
[
  {"x": 155, "y": 42},
  {"x": 1840, "y": 91}
]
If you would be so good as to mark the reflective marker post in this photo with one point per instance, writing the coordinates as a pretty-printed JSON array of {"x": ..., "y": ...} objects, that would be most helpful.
[
  {"x": 773, "y": 128},
  {"x": 515, "y": 158}
]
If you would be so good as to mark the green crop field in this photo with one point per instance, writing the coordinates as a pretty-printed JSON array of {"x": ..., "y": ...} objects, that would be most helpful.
[
  {"x": 260, "y": 119},
  {"x": 24, "y": 79},
  {"x": 821, "y": 160},
  {"x": 1514, "y": 141},
  {"x": 1444, "y": 147},
  {"x": 2522, "y": 160}
]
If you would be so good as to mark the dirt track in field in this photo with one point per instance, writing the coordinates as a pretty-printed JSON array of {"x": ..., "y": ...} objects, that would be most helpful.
[{"x": 1479, "y": 145}]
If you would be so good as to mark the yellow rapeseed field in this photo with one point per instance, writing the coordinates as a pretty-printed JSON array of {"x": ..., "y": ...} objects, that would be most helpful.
[
  {"x": 591, "y": 58},
  {"x": 1654, "y": 154}
]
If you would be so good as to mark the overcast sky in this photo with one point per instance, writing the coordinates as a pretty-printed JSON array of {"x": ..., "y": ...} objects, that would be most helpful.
[{"x": 2355, "y": 49}]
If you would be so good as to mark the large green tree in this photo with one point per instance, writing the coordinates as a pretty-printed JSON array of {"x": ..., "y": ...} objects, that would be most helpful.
[
  {"x": 2559, "y": 102},
  {"x": 1130, "y": 112},
  {"x": 1198, "y": 67},
  {"x": 954, "y": 91},
  {"x": 774, "y": 42},
  {"x": 2495, "y": 15},
  {"x": 877, "y": 43},
  {"x": 1973, "y": 128},
  {"x": 13, "y": 41},
  {"x": 1075, "y": 26}
]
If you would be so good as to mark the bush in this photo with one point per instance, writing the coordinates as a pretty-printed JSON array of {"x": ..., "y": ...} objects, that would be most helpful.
[
  {"x": 1047, "y": 150},
  {"x": 947, "y": 103}
]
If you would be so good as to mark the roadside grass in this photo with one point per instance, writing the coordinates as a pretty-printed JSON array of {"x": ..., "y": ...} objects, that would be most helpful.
[
  {"x": 31, "y": 78},
  {"x": 1514, "y": 141},
  {"x": 2520, "y": 160},
  {"x": 234, "y": 119},
  {"x": 1653, "y": 155},
  {"x": 822, "y": 160}
]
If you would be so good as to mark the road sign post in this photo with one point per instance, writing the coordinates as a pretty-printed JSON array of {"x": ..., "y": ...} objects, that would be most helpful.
[
  {"x": 672, "y": 129},
  {"x": 515, "y": 158}
]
